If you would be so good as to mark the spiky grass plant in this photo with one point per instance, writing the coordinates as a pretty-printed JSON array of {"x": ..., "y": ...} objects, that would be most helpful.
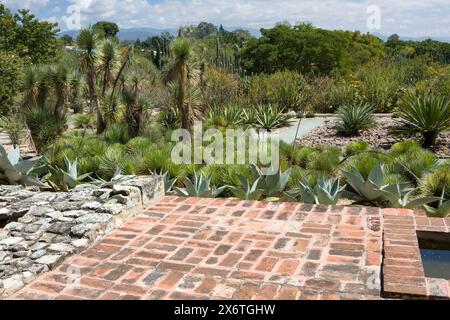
[{"x": 354, "y": 118}]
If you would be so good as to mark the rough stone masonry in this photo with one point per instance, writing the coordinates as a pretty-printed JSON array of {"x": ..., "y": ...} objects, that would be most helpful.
[{"x": 42, "y": 228}]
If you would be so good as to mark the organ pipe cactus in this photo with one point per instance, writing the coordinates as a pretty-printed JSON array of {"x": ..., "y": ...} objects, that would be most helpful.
[{"x": 15, "y": 170}]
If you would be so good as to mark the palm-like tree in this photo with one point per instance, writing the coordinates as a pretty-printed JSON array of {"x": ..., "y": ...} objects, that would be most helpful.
[
  {"x": 108, "y": 61},
  {"x": 182, "y": 51},
  {"x": 30, "y": 87},
  {"x": 88, "y": 43},
  {"x": 136, "y": 101},
  {"x": 59, "y": 77}
]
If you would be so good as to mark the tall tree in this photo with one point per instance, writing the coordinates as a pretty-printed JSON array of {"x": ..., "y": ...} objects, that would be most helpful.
[
  {"x": 106, "y": 29},
  {"x": 182, "y": 51},
  {"x": 27, "y": 36},
  {"x": 88, "y": 43}
]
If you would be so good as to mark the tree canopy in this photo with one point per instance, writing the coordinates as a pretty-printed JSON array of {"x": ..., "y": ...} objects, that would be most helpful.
[
  {"x": 307, "y": 49},
  {"x": 106, "y": 29},
  {"x": 29, "y": 37}
]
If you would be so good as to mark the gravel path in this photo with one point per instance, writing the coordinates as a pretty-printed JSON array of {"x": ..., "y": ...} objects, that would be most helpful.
[{"x": 377, "y": 137}]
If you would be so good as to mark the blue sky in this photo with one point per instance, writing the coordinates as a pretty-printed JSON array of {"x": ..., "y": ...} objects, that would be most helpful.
[{"x": 415, "y": 18}]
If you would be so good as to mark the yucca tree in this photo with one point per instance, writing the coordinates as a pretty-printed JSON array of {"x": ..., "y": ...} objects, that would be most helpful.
[
  {"x": 425, "y": 114},
  {"x": 75, "y": 91},
  {"x": 182, "y": 51},
  {"x": 136, "y": 101},
  {"x": 59, "y": 77},
  {"x": 31, "y": 86},
  {"x": 108, "y": 58},
  {"x": 88, "y": 44}
]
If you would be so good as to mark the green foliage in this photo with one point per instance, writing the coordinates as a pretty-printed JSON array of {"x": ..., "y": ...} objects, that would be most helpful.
[
  {"x": 27, "y": 36},
  {"x": 326, "y": 191},
  {"x": 355, "y": 147},
  {"x": 272, "y": 183},
  {"x": 424, "y": 114},
  {"x": 106, "y": 29},
  {"x": 200, "y": 186},
  {"x": 13, "y": 125},
  {"x": 307, "y": 49},
  {"x": 117, "y": 133},
  {"x": 43, "y": 125},
  {"x": 269, "y": 117},
  {"x": 65, "y": 179},
  {"x": 247, "y": 190},
  {"x": 83, "y": 121},
  {"x": 354, "y": 119},
  {"x": 434, "y": 182},
  {"x": 371, "y": 190},
  {"x": 14, "y": 170},
  {"x": 287, "y": 89},
  {"x": 442, "y": 209},
  {"x": 11, "y": 70}
]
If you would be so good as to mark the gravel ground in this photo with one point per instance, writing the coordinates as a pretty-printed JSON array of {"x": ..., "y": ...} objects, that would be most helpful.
[{"x": 377, "y": 137}]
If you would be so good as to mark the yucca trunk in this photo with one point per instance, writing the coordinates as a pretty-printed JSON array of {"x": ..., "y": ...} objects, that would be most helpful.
[
  {"x": 429, "y": 139},
  {"x": 59, "y": 106},
  {"x": 182, "y": 106},
  {"x": 101, "y": 126}
]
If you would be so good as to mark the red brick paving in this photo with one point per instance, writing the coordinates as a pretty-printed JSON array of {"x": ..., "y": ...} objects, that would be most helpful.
[
  {"x": 403, "y": 270},
  {"x": 192, "y": 248}
]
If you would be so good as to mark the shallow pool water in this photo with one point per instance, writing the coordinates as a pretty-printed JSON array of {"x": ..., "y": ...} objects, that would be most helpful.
[{"x": 435, "y": 258}]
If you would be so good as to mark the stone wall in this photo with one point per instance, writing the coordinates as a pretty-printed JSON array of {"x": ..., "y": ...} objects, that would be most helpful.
[{"x": 42, "y": 228}]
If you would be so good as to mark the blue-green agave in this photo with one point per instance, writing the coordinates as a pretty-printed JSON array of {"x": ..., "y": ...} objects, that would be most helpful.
[
  {"x": 200, "y": 186},
  {"x": 15, "y": 170}
]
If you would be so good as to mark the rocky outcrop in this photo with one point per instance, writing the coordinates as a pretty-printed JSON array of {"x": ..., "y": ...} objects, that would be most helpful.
[{"x": 41, "y": 228}]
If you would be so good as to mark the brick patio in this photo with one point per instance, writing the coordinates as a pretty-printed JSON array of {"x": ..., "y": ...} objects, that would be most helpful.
[{"x": 192, "y": 248}]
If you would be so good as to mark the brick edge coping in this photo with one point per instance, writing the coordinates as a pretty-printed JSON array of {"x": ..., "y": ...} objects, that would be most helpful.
[{"x": 403, "y": 271}]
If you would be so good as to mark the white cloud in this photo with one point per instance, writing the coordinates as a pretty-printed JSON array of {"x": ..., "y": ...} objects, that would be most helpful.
[{"x": 418, "y": 16}]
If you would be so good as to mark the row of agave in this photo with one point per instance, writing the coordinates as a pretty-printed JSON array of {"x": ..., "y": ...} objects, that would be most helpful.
[
  {"x": 371, "y": 191},
  {"x": 263, "y": 116}
]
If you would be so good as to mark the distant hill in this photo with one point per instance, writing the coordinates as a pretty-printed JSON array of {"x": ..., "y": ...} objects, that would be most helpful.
[
  {"x": 132, "y": 34},
  {"x": 385, "y": 37}
]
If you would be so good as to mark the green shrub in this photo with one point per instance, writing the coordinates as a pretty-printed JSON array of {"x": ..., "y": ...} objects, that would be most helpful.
[
  {"x": 423, "y": 114},
  {"x": 403, "y": 147},
  {"x": 13, "y": 125},
  {"x": 355, "y": 147},
  {"x": 270, "y": 117},
  {"x": 436, "y": 181},
  {"x": 117, "y": 133},
  {"x": 287, "y": 89},
  {"x": 83, "y": 121},
  {"x": 44, "y": 126},
  {"x": 326, "y": 160},
  {"x": 354, "y": 119},
  {"x": 11, "y": 70}
]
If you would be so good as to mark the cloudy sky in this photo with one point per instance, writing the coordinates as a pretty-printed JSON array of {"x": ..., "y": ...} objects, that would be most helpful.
[{"x": 405, "y": 17}]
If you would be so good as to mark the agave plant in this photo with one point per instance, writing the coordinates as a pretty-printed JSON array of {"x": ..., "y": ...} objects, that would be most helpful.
[
  {"x": 247, "y": 190},
  {"x": 326, "y": 191},
  {"x": 14, "y": 170},
  {"x": 399, "y": 196},
  {"x": 270, "y": 117},
  {"x": 68, "y": 179},
  {"x": 272, "y": 183},
  {"x": 168, "y": 183},
  {"x": 424, "y": 114},
  {"x": 372, "y": 190},
  {"x": 354, "y": 118},
  {"x": 199, "y": 187},
  {"x": 442, "y": 210}
]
